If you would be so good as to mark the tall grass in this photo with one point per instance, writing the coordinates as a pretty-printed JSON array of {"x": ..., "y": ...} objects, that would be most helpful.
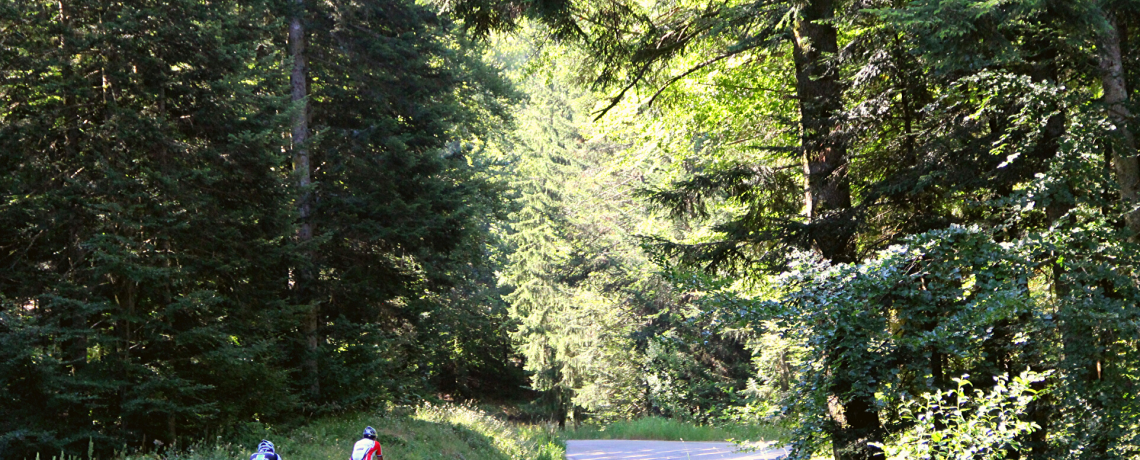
[
  {"x": 519, "y": 442},
  {"x": 663, "y": 429}
]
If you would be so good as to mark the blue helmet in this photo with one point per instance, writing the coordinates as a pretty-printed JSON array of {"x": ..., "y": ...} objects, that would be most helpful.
[
  {"x": 265, "y": 446},
  {"x": 369, "y": 433}
]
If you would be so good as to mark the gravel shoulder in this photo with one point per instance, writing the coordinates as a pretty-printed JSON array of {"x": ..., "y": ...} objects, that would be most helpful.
[{"x": 662, "y": 450}]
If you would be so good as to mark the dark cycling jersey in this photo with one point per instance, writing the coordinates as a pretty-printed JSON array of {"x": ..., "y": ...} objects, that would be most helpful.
[{"x": 265, "y": 456}]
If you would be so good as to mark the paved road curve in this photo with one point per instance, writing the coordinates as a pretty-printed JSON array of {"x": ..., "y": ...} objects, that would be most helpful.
[{"x": 662, "y": 450}]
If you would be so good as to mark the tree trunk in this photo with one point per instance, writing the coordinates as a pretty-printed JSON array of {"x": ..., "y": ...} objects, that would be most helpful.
[
  {"x": 827, "y": 197},
  {"x": 1078, "y": 334},
  {"x": 1124, "y": 161},
  {"x": 860, "y": 426},
  {"x": 303, "y": 275},
  {"x": 827, "y": 193}
]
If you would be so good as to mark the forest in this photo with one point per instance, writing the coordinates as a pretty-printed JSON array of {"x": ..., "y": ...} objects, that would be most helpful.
[{"x": 901, "y": 229}]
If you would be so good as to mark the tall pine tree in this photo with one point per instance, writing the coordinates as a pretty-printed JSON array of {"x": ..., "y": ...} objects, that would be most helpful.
[{"x": 141, "y": 222}]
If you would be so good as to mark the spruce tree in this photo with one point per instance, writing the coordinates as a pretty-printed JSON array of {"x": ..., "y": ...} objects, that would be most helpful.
[
  {"x": 143, "y": 206},
  {"x": 539, "y": 245},
  {"x": 398, "y": 105}
]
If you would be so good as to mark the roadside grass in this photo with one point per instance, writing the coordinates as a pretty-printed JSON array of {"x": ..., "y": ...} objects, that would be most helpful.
[
  {"x": 662, "y": 429},
  {"x": 517, "y": 441},
  {"x": 427, "y": 433},
  {"x": 451, "y": 432}
]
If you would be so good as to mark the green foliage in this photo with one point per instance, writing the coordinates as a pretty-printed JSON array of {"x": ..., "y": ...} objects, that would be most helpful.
[
  {"x": 953, "y": 302},
  {"x": 958, "y": 425},
  {"x": 467, "y": 233},
  {"x": 978, "y": 115},
  {"x": 605, "y": 333},
  {"x": 901, "y": 323},
  {"x": 697, "y": 363},
  {"x": 540, "y": 252},
  {"x": 142, "y": 206},
  {"x": 404, "y": 199},
  {"x": 147, "y": 218}
]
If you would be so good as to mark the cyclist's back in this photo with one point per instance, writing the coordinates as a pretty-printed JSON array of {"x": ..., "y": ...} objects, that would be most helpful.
[
  {"x": 367, "y": 448},
  {"x": 265, "y": 451}
]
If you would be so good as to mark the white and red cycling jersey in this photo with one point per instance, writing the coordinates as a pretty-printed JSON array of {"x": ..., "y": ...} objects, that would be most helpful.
[{"x": 366, "y": 449}]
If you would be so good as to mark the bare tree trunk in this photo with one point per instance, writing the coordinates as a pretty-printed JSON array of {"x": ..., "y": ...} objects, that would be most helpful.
[
  {"x": 827, "y": 193},
  {"x": 303, "y": 275},
  {"x": 1124, "y": 161}
]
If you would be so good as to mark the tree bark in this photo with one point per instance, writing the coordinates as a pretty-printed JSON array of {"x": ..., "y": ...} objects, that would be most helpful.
[
  {"x": 827, "y": 192},
  {"x": 1126, "y": 169},
  {"x": 852, "y": 436},
  {"x": 303, "y": 275},
  {"x": 827, "y": 197},
  {"x": 1124, "y": 161}
]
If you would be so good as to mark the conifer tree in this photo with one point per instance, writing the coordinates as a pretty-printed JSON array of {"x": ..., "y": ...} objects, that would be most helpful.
[
  {"x": 143, "y": 205},
  {"x": 540, "y": 249},
  {"x": 150, "y": 232},
  {"x": 398, "y": 103},
  {"x": 303, "y": 273},
  {"x": 603, "y": 332}
]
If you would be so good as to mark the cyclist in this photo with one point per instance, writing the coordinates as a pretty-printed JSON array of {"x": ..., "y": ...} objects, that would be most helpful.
[
  {"x": 265, "y": 451},
  {"x": 367, "y": 448}
]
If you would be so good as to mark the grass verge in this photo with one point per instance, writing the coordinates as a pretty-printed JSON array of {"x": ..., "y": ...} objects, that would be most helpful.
[
  {"x": 662, "y": 429},
  {"x": 452, "y": 432},
  {"x": 425, "y": 433}
]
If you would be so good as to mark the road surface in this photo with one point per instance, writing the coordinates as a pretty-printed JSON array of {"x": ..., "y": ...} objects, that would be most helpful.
[{"x": 663, "y": 450}]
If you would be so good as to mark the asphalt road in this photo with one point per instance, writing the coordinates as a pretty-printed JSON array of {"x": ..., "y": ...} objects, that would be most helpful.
[{"x": 662, "y": 450}]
